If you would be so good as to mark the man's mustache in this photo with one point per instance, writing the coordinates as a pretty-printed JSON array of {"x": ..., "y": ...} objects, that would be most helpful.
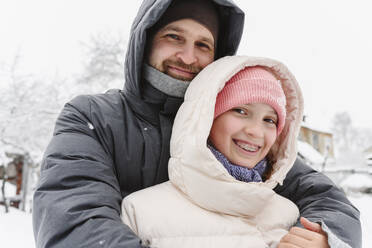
[{"x": 181, "y": 65}]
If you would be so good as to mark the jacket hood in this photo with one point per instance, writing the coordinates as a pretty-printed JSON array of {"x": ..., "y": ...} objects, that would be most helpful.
[
  {"x": 231, "y": 25},
  {"x": 194, "y": 169}
]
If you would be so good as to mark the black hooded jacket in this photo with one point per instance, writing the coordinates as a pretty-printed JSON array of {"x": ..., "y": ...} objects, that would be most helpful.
[{"x": 107, "y": 146}]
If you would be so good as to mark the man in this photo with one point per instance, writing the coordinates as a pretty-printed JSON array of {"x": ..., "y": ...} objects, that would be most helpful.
[{"x": 107, "y": 146}]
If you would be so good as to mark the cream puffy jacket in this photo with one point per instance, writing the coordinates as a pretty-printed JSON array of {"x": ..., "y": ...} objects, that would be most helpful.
[{"x": 203, "y": 205}]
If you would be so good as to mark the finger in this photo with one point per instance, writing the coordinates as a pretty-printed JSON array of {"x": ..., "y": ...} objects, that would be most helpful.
[
  {"x": 312, "y": 226},
  {"x": 294, "y": 240},
  {"x": 304, "y": 233},
  {"x": 287, "y": 245}
]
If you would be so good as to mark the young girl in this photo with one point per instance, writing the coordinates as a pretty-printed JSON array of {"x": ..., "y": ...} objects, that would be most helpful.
[{"x": 233, "y": 141}]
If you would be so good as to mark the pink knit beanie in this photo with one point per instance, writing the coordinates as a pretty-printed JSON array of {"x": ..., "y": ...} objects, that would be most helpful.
[{"x": 253, "y": 85}]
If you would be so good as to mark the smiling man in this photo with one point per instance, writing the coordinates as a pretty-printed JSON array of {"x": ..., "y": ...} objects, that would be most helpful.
[
  {"x": 184, "y": 40},
  {"x": 182, "y": 49},
  {"x": 109, "y": 145}
]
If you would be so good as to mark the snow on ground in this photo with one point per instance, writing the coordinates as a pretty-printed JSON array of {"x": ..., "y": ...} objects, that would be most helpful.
[
  {"x": 16, "y": 229},
  {"x": 357, "y": 183},
  {"x": 16, "y": 226},
  {"x": 363, "y": 203}
]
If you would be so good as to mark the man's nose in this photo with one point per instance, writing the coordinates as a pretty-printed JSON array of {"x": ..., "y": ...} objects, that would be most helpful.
[{"x": 187, "y": 55}]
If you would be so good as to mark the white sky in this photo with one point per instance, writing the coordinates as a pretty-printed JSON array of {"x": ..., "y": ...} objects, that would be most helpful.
[{"x": 326, "y": 44}]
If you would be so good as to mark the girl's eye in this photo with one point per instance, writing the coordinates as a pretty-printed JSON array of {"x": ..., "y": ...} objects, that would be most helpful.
[
  {"x": 271, "y": 121},
  {"x": 239, "y": 111}
]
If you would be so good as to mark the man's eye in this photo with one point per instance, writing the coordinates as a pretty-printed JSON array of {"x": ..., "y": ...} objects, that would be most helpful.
[
  {"x": 203, "y": 45},
  {"x": 173, "y": 36}
]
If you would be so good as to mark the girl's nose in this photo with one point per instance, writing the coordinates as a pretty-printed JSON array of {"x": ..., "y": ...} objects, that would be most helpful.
[{"x": 254, "y": 129}]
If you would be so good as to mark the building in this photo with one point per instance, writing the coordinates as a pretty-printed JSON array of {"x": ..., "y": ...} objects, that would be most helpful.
[
  {"x": 368, "y": 155},
  {"x": 15, "y": 172},
  {"x": 320, "y": 140},
  {"x": 368, "y": 150}
]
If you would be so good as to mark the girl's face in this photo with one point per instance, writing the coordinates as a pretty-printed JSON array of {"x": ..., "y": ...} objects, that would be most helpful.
[{"x": 245, "y": 133}]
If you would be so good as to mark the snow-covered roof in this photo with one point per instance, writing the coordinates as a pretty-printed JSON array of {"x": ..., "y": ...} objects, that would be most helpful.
[
  {"x": 357, "y": 181},
  {"x": 316, "y": 128},
  {"x": 8, "y": 149},
  {"x": 316, "y": 124},
  {"x": 309, "y": 152}
]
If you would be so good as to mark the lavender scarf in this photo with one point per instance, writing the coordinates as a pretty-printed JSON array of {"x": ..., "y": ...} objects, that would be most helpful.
[{"x": 240, "y": 173}]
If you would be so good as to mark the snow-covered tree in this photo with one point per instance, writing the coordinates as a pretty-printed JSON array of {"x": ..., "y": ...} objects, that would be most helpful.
[
  {"x": 343, "y": 130},
  {"x": 348, "y": 137},
  {"x": 103, "y": 63},
  {"x": 28, "y": 108},
  {"x": 29, "y": 104},
  {"x": 350, "y": 141}
]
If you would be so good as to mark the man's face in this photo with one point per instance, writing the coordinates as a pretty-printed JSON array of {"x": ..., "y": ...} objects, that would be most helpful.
[{"x": 182, "y": 49}]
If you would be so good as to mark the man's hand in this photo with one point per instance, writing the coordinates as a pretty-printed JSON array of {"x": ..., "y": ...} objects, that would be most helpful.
[{"x": 312, "y": 236}]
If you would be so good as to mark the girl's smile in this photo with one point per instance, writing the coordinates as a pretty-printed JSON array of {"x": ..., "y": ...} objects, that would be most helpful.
[{"x": 245, "y": 134}]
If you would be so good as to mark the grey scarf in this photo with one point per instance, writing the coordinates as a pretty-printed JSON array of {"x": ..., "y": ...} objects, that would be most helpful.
[{"x": 164, "y": 83}]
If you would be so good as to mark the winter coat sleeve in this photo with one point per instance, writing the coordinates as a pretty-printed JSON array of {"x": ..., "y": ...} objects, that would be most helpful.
[
  {"x": 321, "y": 201},
  {"x": 77, "y": 201}
]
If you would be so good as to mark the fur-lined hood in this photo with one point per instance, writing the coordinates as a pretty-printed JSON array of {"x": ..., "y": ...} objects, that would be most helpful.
[{"x": 194, "y": 169}]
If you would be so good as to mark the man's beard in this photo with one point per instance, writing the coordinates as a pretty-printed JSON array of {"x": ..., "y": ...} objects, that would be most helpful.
[{"x": 179, "y": 64}]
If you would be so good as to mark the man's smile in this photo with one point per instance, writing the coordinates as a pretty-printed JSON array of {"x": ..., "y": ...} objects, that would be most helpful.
[{"x": 183, "y": 73}]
